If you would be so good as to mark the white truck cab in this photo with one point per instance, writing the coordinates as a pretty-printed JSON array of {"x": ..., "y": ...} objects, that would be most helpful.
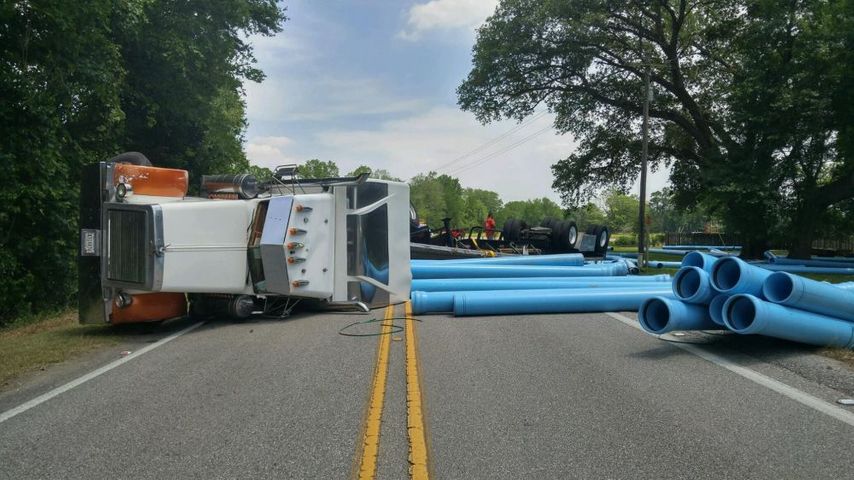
[{"x": 239, "y": 248}]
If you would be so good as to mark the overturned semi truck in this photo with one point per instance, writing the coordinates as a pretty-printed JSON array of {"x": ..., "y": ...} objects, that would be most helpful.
[{"x": 150, "y": 252}]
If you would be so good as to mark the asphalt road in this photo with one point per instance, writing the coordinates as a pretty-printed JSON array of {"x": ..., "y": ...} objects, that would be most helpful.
[{"x": 550, "y": 396}]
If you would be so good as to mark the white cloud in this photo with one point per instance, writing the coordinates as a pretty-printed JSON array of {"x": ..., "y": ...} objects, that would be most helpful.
[
  {"x": 323, "y": 98},
  {"x": 277, "y": 142},
  {"x": 445, "y": 15},
  {"x": 269, "y": 151},
  {"x": 435, "y": 139}
]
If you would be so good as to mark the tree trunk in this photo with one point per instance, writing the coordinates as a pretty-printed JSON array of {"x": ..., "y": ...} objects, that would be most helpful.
[
  {"x": 754, "y": 247},
  {"x": 750, "y": 222},
  {"x": 802, "y": 231}
]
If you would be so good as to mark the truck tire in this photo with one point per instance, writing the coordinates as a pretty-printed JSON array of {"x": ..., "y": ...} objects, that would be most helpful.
[
  {"x": 567, "y": 236},
  {"x": 512, "y": 230},
  {"x": 549, "y": 222},
  {"x": 603, "y": 237}
]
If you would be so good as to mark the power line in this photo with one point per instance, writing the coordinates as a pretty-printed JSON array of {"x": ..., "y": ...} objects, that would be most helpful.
[
  {"x": 492, "y": 141},
  {"x": 500, "y": 152}
]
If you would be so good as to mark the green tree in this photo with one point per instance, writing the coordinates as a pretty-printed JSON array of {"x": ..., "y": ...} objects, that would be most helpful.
[
  {"x": 262, "y": 174},
  {"x": 667, "y": 217},
  {"x": 182, "y": 94},
  {"x": 531, "y": 211},
  {"x": 83, "y": 81},
  {"x": 360, "y": 170},
  {"x": 588, "y": 214},
  {"x": 621, "y": 212},
  {"x": 477, "y": 203},
  {"x": 751, "y": 100},
  {"x": 436, "y": 197},
  {"x": 380, "y": 174},
  {"x": 315, "y": 168},
  {"x": 427, "y": 196},
  {"x": 59, "y": 77}
]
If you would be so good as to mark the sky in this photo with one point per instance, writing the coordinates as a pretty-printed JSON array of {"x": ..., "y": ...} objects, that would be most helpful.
[{"x": 373, "y": 82}]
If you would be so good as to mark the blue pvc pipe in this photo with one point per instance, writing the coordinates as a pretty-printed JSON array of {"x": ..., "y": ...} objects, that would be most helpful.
[
  {"x": 809, "y": 263},
  {"x": 660, "y": 315},
  {"x": 716, "y": 307},
  {"x": 845, "y": 285},
  {"x": 806, "y": 294},
  {"x": 632, "y": 266},
  {"x": 663, "y": 264},
  {"x": 631, "y": 263},
  {"x": 700, "y": 260},
  {"x": 566, "y": 259},
  {"x": 535, "y": 283},
  {"x": 443, "y": 301},
  {"x": 662, "y": 251},
  {"x": 623, "y": 254},
  {"x": 805, "y": 269},
  {"x": 516, "y": 271},
  {"x": 432, "y": 302},
  {"x": 747, "y": 314},
  {"x": 693, "y": 285},
  {"x": 702, "y": 247},
  {"x": 833, "y": 259},
  {"x": 733, "y": 275},
  {"x": 555, "y": 301}
]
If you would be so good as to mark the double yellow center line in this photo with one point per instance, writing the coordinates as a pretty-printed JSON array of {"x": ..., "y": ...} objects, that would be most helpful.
[
  {"x": 415, "y": 426},
  {"x": 414, "y": 413},
  {"x": 373, "y": 420}
]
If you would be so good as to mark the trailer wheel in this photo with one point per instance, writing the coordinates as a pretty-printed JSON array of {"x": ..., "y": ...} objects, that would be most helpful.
[
  {"x": 549, "y": 222},
  {"x": 512, "y": 230},
  {"x": 571, "y": 235},
  {"x": 566, "y": 236},
  {"x": 133, "y": 158},
  {"x": 603, "y": 239},
  {"x": 602, "y": 235},
  {"x": 505, "y": 230}
]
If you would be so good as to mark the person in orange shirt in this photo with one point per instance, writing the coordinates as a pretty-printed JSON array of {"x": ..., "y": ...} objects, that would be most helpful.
[{"x": 489, "y": 226}]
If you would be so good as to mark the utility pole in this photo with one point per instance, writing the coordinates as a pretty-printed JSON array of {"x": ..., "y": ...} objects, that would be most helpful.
[{"x": 647, "y": 97}]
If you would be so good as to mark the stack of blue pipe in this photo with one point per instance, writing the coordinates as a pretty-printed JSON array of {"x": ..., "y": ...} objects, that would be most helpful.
[
  {"x": 530, "y": 284},
  {"x": 727, "y": 293},
  {"x": 825, "y": 265},
  {"x": 668, "y": 251}
]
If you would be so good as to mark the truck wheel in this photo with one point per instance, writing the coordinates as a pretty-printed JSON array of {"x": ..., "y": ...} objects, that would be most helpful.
[
  {"x": 133, "y": 158},
  {"x": 602, "y": 235},
  {"x": 571, "y": 234},
  {"x": 566, "y": 236},
  {"x": 549, "y": 222},
  {"x": 512, "y": 230},
  {"x": 603, "y": 239}
]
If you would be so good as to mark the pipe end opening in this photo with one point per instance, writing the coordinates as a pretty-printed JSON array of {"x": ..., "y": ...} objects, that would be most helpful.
[
  {"x": 655, "y": 315},
  {"x": 778, "y": 287},
  {"x": 693, "y": 259},
  {"x": 687, "y": 283},
  {"x": 726, "y": 273},
  {"x": 739, "y": 313},
  {"x": 716, "y": 307}
]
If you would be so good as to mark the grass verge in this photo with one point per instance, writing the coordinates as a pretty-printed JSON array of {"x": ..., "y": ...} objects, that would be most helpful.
[
  {"x": 844, "y": 355},
  {"x": 55, "y": 338}
]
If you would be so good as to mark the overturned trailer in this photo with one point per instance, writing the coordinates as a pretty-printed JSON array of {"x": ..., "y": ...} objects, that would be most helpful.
[
  {"x": 515, "y": 238},
  {"x": 150, "y": 252}
]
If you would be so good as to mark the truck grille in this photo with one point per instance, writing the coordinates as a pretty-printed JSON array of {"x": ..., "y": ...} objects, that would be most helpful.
[{"x": 126, "y": 261}]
